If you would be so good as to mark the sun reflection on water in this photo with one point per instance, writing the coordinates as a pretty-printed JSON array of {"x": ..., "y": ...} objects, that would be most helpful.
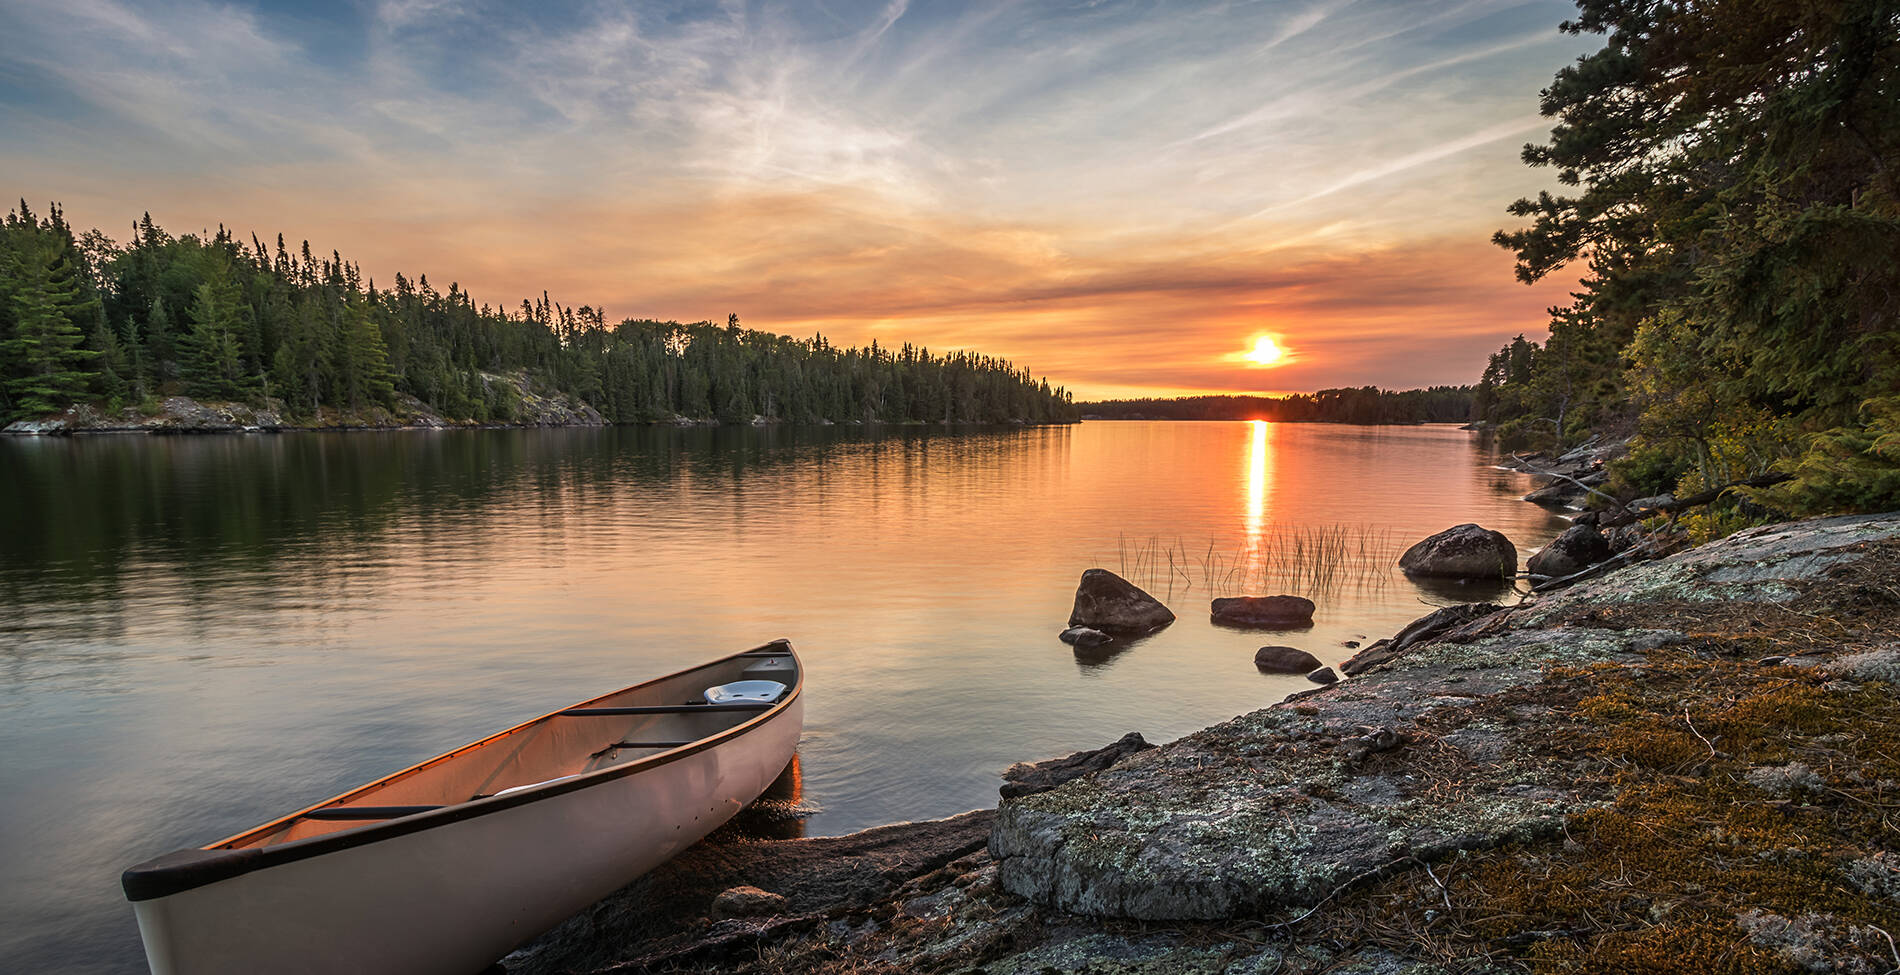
[{"x": 1259, "y": 476}]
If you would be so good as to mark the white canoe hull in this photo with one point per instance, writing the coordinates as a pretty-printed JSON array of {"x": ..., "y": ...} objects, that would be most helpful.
[{"x": 456, "y": 891}]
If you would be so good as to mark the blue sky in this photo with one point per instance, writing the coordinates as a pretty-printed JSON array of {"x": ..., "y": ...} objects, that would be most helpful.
[{"x": 1119, "y": 195}]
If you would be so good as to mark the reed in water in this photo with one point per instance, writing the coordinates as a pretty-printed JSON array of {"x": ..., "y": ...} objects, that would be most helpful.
[{"x": 1305, "y": 560}]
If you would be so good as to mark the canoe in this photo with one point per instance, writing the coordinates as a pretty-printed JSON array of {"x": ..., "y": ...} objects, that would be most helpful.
[{"x": 449, "y": 865}]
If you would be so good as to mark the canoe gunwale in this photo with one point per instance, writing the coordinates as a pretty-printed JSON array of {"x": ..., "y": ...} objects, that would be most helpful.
[{"x": 186, "y": 869}]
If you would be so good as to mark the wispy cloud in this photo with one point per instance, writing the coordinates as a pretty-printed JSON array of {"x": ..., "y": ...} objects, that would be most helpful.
[{"x": 1017, "y": 176}]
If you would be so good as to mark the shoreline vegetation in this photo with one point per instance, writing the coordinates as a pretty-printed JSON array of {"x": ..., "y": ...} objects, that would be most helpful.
[{"x": 118, "y": 331}]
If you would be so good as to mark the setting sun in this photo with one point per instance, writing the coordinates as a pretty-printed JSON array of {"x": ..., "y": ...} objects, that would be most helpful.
[{"x": 1265, "y": 351}]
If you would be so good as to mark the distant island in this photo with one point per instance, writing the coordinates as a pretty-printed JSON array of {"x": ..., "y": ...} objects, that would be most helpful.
[
  {"x": 146, "y": 334},
  {"x": 1364, "y": 404}
]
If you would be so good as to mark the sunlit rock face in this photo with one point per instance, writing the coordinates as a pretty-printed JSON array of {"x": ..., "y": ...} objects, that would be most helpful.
[{"x": 1462, "y": 552}]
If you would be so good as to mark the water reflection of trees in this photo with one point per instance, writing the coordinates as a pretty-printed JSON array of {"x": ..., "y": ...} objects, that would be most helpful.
[{"x": 214, "y": 510}]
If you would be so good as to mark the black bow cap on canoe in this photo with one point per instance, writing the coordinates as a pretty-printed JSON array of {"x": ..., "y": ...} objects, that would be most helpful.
[{"x": 183, "y": 870}]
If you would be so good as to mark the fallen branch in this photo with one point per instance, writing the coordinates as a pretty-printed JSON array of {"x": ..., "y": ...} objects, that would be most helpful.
[
  {"x": 1565, "y": 477},
  {"x": 1705, "y": 497}
]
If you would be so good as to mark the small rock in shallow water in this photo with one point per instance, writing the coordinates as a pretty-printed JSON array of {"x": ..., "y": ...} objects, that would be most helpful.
[
  {"x": 1324, "y": 675},
  {"x": 1083, "y": 636},
  {"x": 1263, "y": 611},
  {"x": 746, "y": 902},
  {"x": 1285, "y": 660}
]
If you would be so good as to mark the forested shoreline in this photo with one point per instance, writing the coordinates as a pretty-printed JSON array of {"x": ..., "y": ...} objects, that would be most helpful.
[
  {"x": 1730, "y": 186},
  {"x": 86, "y": 320},
  {"x": 1363, "y": 404}
]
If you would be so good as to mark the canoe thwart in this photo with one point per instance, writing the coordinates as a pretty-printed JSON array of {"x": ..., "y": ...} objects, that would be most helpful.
[
  {"x": 640, "y": 744},
  {"x": 665, "y": 709},
  {"x": 367, "y": 812}
]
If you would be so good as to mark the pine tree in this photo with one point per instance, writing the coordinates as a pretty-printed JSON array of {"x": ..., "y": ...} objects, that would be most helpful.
[
  {"x": 213, "y": 363},
  {"x": 40, "y": 347}
]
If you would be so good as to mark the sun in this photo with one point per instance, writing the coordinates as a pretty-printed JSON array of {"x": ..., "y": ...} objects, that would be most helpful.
[{"x": 1265, "y": 351}]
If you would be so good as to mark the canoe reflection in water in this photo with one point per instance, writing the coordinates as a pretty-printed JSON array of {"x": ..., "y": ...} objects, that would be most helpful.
[{"x": 448, "y": 865}]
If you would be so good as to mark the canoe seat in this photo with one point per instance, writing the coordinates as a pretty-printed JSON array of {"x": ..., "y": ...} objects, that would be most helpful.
[{"x": 745, "y": 692}]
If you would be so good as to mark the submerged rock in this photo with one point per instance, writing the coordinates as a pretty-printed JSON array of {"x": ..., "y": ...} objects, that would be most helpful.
[
  {"x": 1025, "y": 778},
  {"x": 1084, "y": 637},
  {"x": 1271, "y": 612},
  {"x": 1285, "y": 660},
  {"x": 1462, "y": 552},
  {"x": 1107, "y": 602},
  {"x": 1578, "y": 548}
]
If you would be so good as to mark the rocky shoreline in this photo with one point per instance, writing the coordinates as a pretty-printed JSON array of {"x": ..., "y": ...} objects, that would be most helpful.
[
  {"x": 534, "y": 406},
  {"x": 1684, "y": 764}
]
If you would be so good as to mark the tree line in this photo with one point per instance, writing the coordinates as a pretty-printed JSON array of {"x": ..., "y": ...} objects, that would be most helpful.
[
  {"x": 84, "y": 319},
  {"x": 1364, "y": 404},
  {"x": 1730, "y": 186}
]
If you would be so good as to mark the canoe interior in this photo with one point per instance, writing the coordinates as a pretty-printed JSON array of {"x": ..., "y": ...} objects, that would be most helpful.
[{"x": 553, "y": 746}]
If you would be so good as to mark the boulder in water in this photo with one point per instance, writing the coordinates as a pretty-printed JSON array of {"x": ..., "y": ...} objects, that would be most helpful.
[
  {"x": 1462, "y": 552},
  {"x": 1273, "y": 612},
  {"x": 1107, "y": 602}
]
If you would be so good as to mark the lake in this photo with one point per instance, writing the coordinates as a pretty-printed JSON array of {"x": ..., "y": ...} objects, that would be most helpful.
[{"x": 198, "y": 634}]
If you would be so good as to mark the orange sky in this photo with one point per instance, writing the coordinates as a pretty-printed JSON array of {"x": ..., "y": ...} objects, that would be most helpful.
[{"x": 1115, "y": 196}]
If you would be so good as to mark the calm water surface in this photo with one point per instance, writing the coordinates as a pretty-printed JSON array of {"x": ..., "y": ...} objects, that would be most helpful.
[{"x": 199, "y": 634}]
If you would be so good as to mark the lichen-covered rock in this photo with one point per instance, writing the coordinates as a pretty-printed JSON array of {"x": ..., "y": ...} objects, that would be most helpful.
[
  {"x": 1756, "y": 565},
  {"x": 1107, "y": 602},
  {"x": 1282, "y": 805},
  {"x": 1265, "y": 612},
  {"x": 1462, "y": 552},
  {"x": 1578, "y": 548},
  {"x": 1285, "y": 660}
]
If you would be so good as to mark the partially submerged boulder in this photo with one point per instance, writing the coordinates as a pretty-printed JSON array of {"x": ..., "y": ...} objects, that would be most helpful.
[
  {"x": 1107, "y": 602},
  {"x": 1265, "y": 612},
  {"x": 1462, "y": 552},
  {"x": 1324, "y": 675},
  {"x": 1578, "y": 548},
  {"x": 1285, "y": 660}
]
